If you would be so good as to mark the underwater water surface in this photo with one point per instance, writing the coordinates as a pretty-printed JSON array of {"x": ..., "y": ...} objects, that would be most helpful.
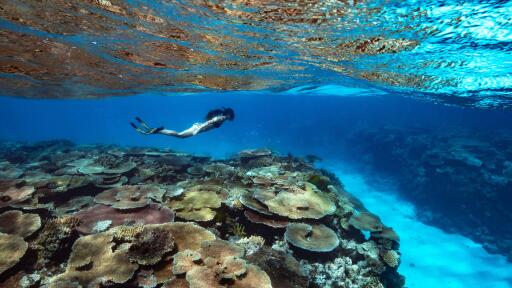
[{"x": 371, "y": 144}]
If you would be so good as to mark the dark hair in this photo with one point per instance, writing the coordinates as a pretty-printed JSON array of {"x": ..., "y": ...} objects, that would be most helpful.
[
  {"x": 229, "y": 113},
  {"x": 213, "y": 114}
]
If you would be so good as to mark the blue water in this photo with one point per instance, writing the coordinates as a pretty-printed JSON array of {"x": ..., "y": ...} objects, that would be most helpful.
[{"x": 299, "y": 124}]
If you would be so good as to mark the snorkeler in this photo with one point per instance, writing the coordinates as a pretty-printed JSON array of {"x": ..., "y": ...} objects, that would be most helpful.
[{"x": 214, "y": 119}]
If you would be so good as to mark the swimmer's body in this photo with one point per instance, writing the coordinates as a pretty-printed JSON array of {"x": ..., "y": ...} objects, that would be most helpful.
[{"x": 214, "y": 119}]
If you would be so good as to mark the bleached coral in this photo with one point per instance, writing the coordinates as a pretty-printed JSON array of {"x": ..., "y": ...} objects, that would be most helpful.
[
  {"x": 281, "y": 245},
  {"x": 341, "y": 272},
  {"x": 251, "y": 244}
]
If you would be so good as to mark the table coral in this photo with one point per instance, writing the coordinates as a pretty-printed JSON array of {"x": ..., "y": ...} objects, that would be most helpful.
[
  {"x": 187, "y": 235},
  {"x": 16, "y": 223},
  {"x": 367, "y": 222},
  {"x": 151, "y": 214},
  {"x": 94, "y": 262},
  {"x": 197, "y": 203},
  {"x": 11, "y": 194},
  {"x": 127, "y": 196},
  {"x": 301, "y": 203},
  {"x": 12, "y": 248},
  {"x": 316, "y": 238},
  {"x": 221, "y": 261}
]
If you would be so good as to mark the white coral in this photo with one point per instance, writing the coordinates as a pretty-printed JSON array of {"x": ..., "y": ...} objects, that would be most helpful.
[{"x": 251, "y": 244}]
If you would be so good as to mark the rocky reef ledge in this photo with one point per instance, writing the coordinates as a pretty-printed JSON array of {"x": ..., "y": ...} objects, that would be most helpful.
[{"x": 108, "y": 216}]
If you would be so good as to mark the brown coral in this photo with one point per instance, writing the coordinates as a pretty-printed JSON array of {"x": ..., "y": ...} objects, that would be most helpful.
[
  {"x": 152, "y": 214},
  {"x": 387, "y": 233},
  {"x": 149, "y": 246},
  {"x": 90, "y": 166},
  {"x": 95, "y": 262},
  {"x": 366, "y": 221},
  {"x": 254, "y": 153},
  {"x": 185, "y": 261},
  {"x": 316, "y": 238},
  {"x": 268, "y": 221},
  {"x": 221, "y": 262},
  {"x": 252, "y": 203},
  {"x": 9, "y": 171},
  {"x": 127, "y": 196},
  {"x": 300, "y": 203},
  {"x": 16, "y": 223},
  {"x": 11, "y": 194},
  {"x": 12, "y": 248},
  {"x": 197, "y": 203},
  {"x": 186, "y": 235}
]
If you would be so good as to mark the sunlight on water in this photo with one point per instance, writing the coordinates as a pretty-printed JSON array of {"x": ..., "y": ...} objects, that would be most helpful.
[{"x": 100, "y": 48}]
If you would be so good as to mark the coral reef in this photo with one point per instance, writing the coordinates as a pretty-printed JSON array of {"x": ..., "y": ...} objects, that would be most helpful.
[
  {"x": 197, "y": 203},
  {"x": 255, "y": 220},
  {"x": 14, "y": 222},
  {"x": 92, "y": 218},
  {"x": 12, "y": 248},
  {"x": 219, "y": 262},
  {"x": 11, "y": 194},
  {"x": 391, "y": 258},
  {"x": 316, "y": 238},
  {"x": 94, "y": 262},
  {"x": 149, "y": 246}
]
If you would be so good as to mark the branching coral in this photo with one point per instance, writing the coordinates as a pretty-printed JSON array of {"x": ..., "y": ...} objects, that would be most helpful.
[
  {"x": 238, "y": 230},
  {"x": 149, "y": 246},
  {"x": 55, "y": 238},
  {"x": 126, "y": 233},
  {"x": 251, "y": 244}
]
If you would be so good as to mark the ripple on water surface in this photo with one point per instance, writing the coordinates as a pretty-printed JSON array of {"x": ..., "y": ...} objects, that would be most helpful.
[{"x": 61, "y": 49}]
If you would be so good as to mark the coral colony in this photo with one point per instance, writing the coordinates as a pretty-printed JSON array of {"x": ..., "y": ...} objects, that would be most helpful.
[{"x": 101, "y": 216}]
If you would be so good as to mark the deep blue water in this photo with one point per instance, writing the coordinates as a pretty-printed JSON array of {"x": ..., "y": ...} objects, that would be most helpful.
[{"x": 300, "y": 124}]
